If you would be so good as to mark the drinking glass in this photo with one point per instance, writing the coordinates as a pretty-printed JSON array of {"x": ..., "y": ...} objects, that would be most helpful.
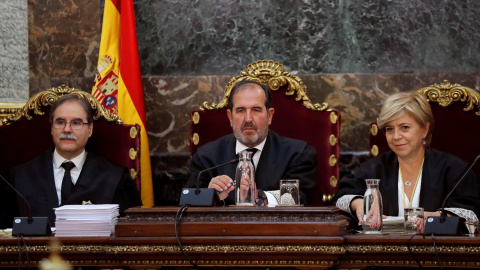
[
  {"x": 289, "y": 192},
  {"x": 413, "y": 217}
]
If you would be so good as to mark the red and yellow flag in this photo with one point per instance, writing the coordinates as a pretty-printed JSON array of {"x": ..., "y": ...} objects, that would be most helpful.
[{"x": 118, "y": 85}]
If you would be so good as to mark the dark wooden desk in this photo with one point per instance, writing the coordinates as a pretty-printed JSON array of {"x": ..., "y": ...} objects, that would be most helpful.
[{"x": 292, "y": 239}]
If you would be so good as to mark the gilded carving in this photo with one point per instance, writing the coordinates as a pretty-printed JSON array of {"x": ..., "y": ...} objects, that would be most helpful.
[
  {"x": 327, "y": 198},
  {"x": 133, "y": 174},
  {"x": 374, "y": 150},
  {"x": 275, "y": 76},
  {"x": 195, "y": 139},
  {"x": 446, "y": 93},
  {"x": 208, "y": 216},
  {"x": 196, "y": 118},
  {"x": 133, "y": 132},
  {"x": 7, "y": 108},
  {"x": 132, "y": 153},
  {"x": 332, "y": 160},
  {"x": 374, "y": 130},
  {"x": 46, "y": 98},
  {"x": 333, "y": 117},
  {"x": 107, "y": 249},
  {"x": 333, "y": 181},
  {"x": 333, "y": 140}
]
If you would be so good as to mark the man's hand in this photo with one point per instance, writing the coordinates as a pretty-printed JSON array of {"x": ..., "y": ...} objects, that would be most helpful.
[{"x": 223, "y": 184}]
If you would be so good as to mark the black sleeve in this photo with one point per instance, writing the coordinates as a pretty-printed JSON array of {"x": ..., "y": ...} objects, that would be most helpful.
[
  {"x": 8, "y": 203},
  {"x": 304, "y": 168},
  {"x": 195, "y": 166},
  {"x": 127, "y": 194}
]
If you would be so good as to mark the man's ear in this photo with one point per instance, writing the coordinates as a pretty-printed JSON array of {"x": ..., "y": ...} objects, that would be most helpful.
[
  {"x": 229, "y": 114},
  {"x": 91, "y": 130},
  {"x": 270, "y": 115}
]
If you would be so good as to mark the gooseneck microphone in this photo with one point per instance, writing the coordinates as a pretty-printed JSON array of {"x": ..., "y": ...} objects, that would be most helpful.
[
  {"x": 202, "y": 196},
  {"x": 235, "y": 160},
  {"x": 445, "y": 225},
  {"x": 28, "y": 225}
]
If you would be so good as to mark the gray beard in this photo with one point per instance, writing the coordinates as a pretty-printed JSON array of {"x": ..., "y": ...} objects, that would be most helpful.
[{"x": 255, "y": 140}]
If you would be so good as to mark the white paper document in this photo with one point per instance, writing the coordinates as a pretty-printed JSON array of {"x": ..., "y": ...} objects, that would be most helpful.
[{"x": 86, "y": 220}]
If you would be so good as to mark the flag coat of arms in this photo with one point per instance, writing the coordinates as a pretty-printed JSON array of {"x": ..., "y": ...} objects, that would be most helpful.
[{"x": 118, "y": 84}]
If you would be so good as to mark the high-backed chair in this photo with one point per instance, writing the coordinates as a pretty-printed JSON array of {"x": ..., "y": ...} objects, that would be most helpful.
[
  {"x": 456, "y": 114},
  {"x": 295, "y": 117},
  {"x": 26, "y": 133}
]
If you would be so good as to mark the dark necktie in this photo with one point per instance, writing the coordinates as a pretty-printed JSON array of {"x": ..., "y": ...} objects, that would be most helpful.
[
  {"x": 67, "y": 184},
  {"x": 253, "y": 151}
]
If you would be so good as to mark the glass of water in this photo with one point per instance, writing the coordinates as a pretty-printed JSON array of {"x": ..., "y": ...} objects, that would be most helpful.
[{"x": 289, "y": 192}]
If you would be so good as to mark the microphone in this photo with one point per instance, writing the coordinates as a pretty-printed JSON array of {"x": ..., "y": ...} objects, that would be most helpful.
[
  {"x": 444, "y": 225},
  {"x": 30, "y": 226},
  {"x": 202, "y": 196}
]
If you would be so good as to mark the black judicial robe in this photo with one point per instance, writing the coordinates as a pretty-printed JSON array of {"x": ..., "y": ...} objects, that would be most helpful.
[
  {"x": 100, "y": 182},
  {"x": 440, "y": 173},
  {"x": 281, "y": 158}
]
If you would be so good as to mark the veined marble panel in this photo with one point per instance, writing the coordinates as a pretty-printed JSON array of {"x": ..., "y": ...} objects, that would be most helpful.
[
  {"x": 13, "y": 51},
  {"x": 211, "y": 37},
  {"x": 64, "y": 37},
  {"x": 168, "y": 102}
]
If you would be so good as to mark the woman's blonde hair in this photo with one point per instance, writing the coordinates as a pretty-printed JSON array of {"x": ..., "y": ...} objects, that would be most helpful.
[{"x": 413, "y": 103}]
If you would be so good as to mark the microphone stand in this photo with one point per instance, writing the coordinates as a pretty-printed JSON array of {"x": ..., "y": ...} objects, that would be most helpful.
[
  {"x": 35, "y": 226},
  {"x": 445, "y": 225}
]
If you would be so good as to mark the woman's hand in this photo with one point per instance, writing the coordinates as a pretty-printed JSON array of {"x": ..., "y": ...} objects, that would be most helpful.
[
  {"x": 373, "y": 215},
  {"x": 421, "y": 225},
  {"x": 357, "y": 206}
]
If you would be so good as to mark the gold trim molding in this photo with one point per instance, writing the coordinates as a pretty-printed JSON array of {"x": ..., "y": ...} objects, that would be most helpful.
[
  {"x": 446, "y": 93},
  {"x": 7, "y": 108},
  {"x": 332, "y": 160},
  {"x": 275, "y": 76},
  {"x": 46, "y": 98},
  {"x": 133, "y": 132},
  {"x": 374, "y": 129},
  {"x": 195, "y": 139},
  {"x": 105, "y": 252},
  {"x": 333, "y": 181},
  {"x": 133, "y": 174},
  {"x": 132, "y": 153},
  {"x": 333, "y": 117},
  {"x": 196, "y": 118},
  {"x": 333, "y": 140}
]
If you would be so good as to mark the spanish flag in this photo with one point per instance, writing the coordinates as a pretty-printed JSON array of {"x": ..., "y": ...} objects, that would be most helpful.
[{"x": 118, "y": 85}]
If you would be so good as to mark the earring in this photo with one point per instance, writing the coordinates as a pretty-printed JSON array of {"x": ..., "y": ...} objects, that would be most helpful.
[{"x": 424, "y": 141}]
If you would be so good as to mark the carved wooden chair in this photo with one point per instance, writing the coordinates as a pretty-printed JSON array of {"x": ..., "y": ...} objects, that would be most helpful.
[
  {"x": 26, "y": 133},
  {"x": 295, "y": 117},
  {"x": 456, "y": 124}
]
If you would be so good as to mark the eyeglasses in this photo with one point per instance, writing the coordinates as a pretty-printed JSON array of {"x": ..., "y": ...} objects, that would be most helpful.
[{"x": 74, "y": 124}]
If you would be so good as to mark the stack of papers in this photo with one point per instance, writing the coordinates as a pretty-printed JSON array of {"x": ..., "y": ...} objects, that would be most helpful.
[
  {"x": 393, "y": 224},
  {"x": 86, "y": 220}
]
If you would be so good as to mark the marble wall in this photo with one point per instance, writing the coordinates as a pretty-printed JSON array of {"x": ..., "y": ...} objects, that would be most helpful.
[
  {"x": 13, "y": 51},
  {"x": 351, "y": 54}
]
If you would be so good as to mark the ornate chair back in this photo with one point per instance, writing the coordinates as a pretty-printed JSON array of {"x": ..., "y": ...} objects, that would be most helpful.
[
  {"x": 26, "y": 133},
  {"x": 295, "y": 117},
  {"x": 456, "y": 123}
]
